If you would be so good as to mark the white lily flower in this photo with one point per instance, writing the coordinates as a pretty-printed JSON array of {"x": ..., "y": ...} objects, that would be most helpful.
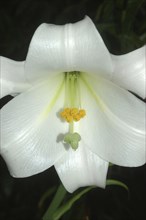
[{"x": 74, "y": 111}]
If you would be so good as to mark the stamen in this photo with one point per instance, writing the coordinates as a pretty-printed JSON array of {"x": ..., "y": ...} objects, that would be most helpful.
[
  {"x": 72, "y": 111},
  {"x": 72, "y": 114}
]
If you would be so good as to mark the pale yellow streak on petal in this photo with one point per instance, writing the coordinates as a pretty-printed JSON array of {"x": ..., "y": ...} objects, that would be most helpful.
[
  {"x": 97, "y": 99},
  {"x": 106, "y": 110},
  {"x": 47, "y": 110}
]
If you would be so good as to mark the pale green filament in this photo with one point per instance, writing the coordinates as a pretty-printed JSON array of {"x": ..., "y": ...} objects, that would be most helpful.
[
  {"x": 72, "y": 92},
  {"x": 72, "y": 102}
]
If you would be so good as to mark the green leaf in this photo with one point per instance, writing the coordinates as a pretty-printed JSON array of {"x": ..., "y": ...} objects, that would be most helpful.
[
  {"x": 110, "y": 182},
  {"x": 65, "y": 207},
  {"x": 58, "y": 198},
  {"x": 47, "y": 194},
  {"x": 55, "y": 212}
]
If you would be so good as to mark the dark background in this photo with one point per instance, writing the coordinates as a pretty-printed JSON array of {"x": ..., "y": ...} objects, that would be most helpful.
[{"x": 122, "y": 24}]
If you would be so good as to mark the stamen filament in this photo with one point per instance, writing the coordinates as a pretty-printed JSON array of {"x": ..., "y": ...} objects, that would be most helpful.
[
  {"x": 66, "y": 90},
  {"x": 72, "y": 89},
  {"x": 78, "y": 92},
  {"x": 72, "y": 111}
]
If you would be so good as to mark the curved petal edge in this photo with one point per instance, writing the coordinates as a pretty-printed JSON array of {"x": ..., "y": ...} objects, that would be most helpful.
[
  {"x": 81, "y": 168},
  {"x": 29, "y": 129},
  {"x": 12, "y": 79},
  {"x": 130, "y": 71},
  {"x": 64, "y": 48}
]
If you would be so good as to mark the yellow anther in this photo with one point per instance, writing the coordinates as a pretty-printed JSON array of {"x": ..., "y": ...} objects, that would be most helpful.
[
  {"x": 72, "y": 114},
  {"x": 74, "y": 111},
  {"x": 63, "y": 114},
  {"x": 67, "y": 110},
  {"x": 69, "y": 118},
  {"x": 82, "y": 113},
  {"x": 77, "y": 117}
]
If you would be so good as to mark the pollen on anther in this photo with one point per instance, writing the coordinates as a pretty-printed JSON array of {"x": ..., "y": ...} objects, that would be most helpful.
[
  {"x": 82, "y": 113},
  {"x": 69, "y": 118},
  {"x": 72, "y": 114},
  {"x": 77, "y": 117},
  {"x": 74, "y": 111}
]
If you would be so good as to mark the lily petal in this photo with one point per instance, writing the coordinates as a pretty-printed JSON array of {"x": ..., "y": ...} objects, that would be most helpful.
[
  {"x": 118, "y": 119},
  {"x": 12, "y": 79},
  {"x": 81, "y": 168},
  {"x": 130, "y": 71},
  {"x": 70, "y": 47},
  {"x": 29, "y": 129}
]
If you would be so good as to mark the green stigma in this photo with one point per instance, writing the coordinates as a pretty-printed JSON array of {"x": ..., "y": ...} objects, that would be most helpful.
[{"x": 72, "y": 139}]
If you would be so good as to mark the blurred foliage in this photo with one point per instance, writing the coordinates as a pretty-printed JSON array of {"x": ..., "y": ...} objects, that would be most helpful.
[{"x": 122, "y": 24}]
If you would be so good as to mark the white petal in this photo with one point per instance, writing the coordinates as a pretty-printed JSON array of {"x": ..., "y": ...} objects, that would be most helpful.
[
  {"x": 12, "y": 79},
  {"x": 30, "y": 128},
  {"x": 70, "y": 47},
  {"x": 130, "y": 71},
  {"x": 114, "y": 127},
  {"x": 81, "y": 168}
]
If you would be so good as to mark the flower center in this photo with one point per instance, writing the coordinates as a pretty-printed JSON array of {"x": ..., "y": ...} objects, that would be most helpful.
[
  {"x": 72, "y": 111},
  {"x": 72, "y": 114}
]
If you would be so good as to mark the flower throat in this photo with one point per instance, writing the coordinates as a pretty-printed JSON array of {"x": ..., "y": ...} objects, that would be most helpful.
[{"x": 72, "y": 111}]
